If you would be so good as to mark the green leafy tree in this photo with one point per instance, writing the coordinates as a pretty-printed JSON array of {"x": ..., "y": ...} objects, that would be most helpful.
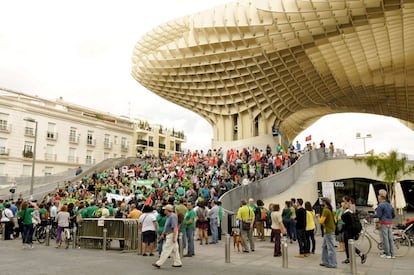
[{"x": 391, "y": 168}]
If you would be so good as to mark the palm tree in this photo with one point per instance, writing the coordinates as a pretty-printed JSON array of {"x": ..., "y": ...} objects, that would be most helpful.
[{"x": 390, "y": 167}]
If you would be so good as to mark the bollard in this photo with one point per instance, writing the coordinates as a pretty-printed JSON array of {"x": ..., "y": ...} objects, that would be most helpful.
[
  {"x": 74, "y": 237},
  {"x": 180, "y": 244},
  {"x": 352, "y": 260},
  {"x": 47, "y": 243},
  {"x": 227, "y": 248},
  {"x": 104, "y": 239},
  {"x": 284, "y": 252},
  {"x": 139, "y": 237},
  {"x": 3, "y": 231}
]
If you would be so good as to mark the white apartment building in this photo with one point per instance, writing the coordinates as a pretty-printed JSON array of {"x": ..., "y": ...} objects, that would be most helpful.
[
  {"x": 155, "y": 140},
  {"x": 66, "y": 135}
]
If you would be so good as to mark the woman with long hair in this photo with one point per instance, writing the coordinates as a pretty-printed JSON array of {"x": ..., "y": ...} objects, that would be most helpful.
[
  {"x": 202, "y": 222},
  {"x": 278, "y": 228},
  {"x": 310, "y": 229},
  {"x": 62, "y": 219},
  {"x": 25, "y": 215}
]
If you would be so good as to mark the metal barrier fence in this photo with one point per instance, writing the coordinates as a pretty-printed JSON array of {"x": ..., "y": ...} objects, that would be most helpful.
[{"x": 99, "y": 233}]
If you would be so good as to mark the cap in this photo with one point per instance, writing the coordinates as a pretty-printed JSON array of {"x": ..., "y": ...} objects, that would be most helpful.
[
  {"x": 7, "y": 204},
  {"x": 325, "y": 199},
  {"x": 168, "y": 207}
]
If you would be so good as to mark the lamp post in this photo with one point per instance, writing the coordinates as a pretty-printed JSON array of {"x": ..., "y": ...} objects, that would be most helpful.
[
  {"x": 358, "y": 136},
  {"x": 28, "y": 119}
]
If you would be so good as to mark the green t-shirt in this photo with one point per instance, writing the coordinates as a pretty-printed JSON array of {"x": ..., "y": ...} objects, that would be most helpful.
[
  {"x": 190, "y": 215},
  {"x": 26, "y": 215},
  {"x": 90, "y": 210},
  {"x": 161, "y": 223}
]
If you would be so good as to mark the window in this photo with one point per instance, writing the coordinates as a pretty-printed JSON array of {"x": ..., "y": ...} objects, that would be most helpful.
[
  {"x": 89, "y": 159},
  {"x": 89, "y": 138},
  {"x": 124, "y": 143},
  {"x": 151, "y": 141},
  {"x": 28, "y": 149},
  {"x": 106, "y": 155},
  {"x": 3, "y": 148},
  {"x": 50, "y": 152},
  {"x": 51, "y": 131},
  {"x": 72, "y": 155},
  {"x": 4, "y": 122},
  {"x": 29, "y": 130},
  {"x": 73, "y": 135},
  {"x": 107, "y": 141},
  {"x": 116, "y": 140}
]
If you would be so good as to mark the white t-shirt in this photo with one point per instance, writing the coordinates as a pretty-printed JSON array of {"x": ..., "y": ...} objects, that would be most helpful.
[{"x": 147, "y": 221}]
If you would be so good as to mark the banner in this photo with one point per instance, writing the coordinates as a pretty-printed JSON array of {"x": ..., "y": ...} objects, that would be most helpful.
[{"x": 328, "y": 191}]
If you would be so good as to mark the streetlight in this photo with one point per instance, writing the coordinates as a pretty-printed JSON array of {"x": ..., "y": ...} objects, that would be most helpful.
[
  {"x": 28, "y": 119},
  {"x": 358, "y": 136}
]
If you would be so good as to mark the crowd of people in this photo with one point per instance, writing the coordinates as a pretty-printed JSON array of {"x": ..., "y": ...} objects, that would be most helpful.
[{"x": 181, "y": 197}]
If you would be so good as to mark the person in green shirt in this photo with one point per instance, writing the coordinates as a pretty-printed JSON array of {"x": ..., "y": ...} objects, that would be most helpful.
[
  {"x": 25, "y": 214},
  {"x": 161, "y": 219},
  {"x": 189, "y": 221},
  {"x": 91, "y": 209},
  {"x": 327, "y": 219}
]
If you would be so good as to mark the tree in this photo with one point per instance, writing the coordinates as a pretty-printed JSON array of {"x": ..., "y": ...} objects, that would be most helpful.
[{"x": 390, "y": 167}]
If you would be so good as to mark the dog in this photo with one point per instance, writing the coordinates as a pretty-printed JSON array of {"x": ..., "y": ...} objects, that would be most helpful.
[{"x": 237, "y": 240}]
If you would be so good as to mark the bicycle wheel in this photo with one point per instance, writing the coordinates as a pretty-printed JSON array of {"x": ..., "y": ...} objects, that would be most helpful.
[
  {"x": 41, "y": 235},
  {"x": 402, "y": 246},
  {"x": 364, "y": 244}
]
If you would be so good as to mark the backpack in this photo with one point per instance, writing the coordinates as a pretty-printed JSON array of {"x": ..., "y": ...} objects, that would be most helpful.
[
  {"x": 356, "y": 225},
  {"x": 201, "y": 214},
  {"x": 263, "y": 214}
]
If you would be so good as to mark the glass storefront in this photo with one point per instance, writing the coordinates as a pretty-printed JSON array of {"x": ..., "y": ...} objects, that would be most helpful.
[{"x": 358, "y": 189}]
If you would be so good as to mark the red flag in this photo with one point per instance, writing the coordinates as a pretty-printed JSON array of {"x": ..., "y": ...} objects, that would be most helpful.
[
  {"x": 308, "y": 138},
  {"x": 148, "y": 201}
]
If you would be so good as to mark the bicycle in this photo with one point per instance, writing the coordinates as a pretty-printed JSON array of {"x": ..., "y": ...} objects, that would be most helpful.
[
  {"x": 40, "y": 233},
  {"x": 402, "y": 242},
  {"x": 364, "y": 242}
]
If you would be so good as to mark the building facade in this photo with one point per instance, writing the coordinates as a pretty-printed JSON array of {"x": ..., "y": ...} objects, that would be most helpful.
[
  {"x": 59, "y": 135},
  {"x": 155, "y": 140}
]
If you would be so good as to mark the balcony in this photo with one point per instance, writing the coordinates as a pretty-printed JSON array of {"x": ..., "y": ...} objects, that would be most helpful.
[
  {"x": 91, "y": 142},
  {"x": 29, "y": 131},
  {"x": 50, "y": 157},
  {"x": 73, "y": 159},
  {"x": 124, "y": 147},
  {"x": 161, "y": 146},
  {"x": 5, "y": 127},
  {"x": 107, "y": 145},
  {"x": 51, "y": 135},
  {"x": 74, "y": 139},
  {"x": 4, "y": 151},
  {"x": 142, "y": 142},
  {"x": 27, "y": 154},
  {"x": 151, "y": 144}
]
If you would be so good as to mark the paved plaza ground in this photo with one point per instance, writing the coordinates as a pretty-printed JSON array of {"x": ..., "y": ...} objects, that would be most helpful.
[{"x": 209, "y": 259}]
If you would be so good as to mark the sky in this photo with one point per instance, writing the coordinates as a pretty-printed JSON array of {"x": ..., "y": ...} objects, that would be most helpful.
[{"x": 81, "y": 50}]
